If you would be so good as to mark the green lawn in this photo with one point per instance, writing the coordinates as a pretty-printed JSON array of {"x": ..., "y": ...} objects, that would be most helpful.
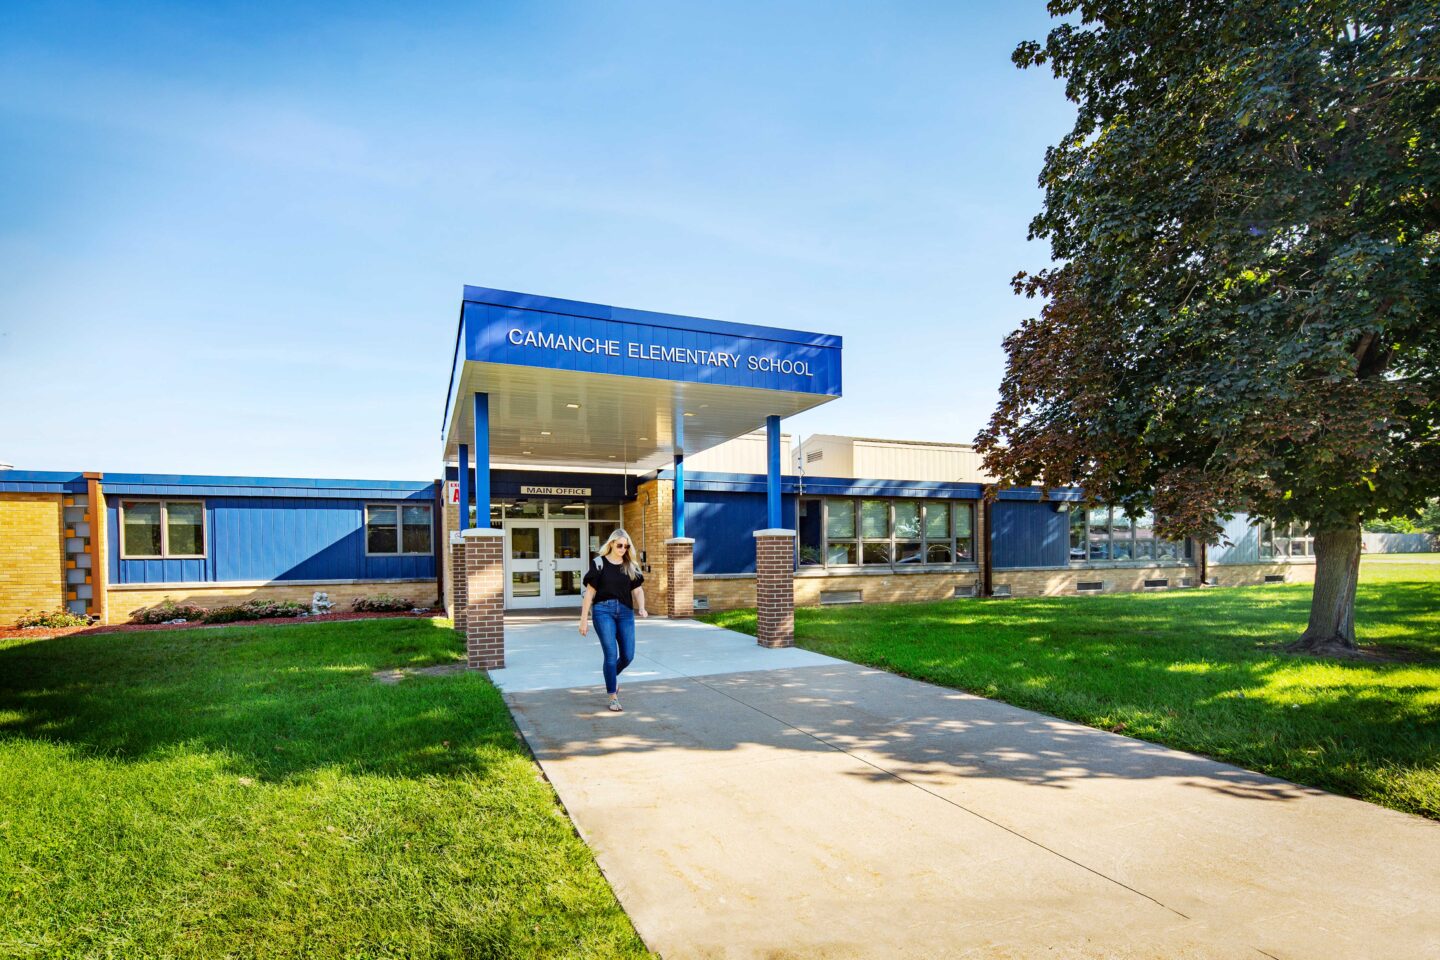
[
  {"x": 253, "y": 792},
  {"x": 1198, "y": 670}
]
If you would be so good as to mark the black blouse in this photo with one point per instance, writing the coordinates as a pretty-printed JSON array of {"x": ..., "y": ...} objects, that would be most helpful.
[{"x": 611, "y": 582}]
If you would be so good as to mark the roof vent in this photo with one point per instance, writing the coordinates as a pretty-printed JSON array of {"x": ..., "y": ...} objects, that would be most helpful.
[{"x": 813, "y": 456}]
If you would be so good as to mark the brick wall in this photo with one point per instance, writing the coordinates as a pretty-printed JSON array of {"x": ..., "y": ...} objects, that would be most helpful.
[
  {"x": 648, "y": 520},
  {"x": 729, "y": 593},
  {"x": 774, "y": 592},
  {"x": 450, "y": 523},
  {"x": 122, "y": 601},
  {"x": 484, "y": 619},
  {"x": 32, "y": 554},
  {"x": 680, "y": 570},
  {"x": 1248, "y": 574},
  {"x": 1059, "y": 583}
]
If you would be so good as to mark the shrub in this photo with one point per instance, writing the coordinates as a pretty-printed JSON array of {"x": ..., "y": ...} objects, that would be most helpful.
[
  {"x": 167, "y": 610},
  {"x": 256, "y": 610},
  {"x": 52, "y": 618},
  {"x": 381, "y": 603}
]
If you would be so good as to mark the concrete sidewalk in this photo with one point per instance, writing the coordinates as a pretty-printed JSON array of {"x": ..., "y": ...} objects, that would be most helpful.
[{"x": 828, "y": 810}]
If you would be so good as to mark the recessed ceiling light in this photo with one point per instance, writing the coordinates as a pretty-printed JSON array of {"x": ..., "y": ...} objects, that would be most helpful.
[
  {"x": 704, "y": 405},
  {"x": 646, "y": 439},
  {"x": 688, "y": 414},
  {"x": 573, "y": 406},
  {"x": 612, "y": 456},
  {"x": 544, "y": 433},
  {"x": 525, "y": 452}
]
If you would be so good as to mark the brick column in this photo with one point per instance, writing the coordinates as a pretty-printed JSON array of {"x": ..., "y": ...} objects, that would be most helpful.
[
  {"x": 680, "y": 559},
  {"x": 775, "y": 588},
  {"x": 457, "y": 582},
  {"x": 481, "y": 584}
]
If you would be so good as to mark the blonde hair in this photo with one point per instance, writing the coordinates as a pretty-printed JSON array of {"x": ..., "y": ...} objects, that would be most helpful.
[{"x": 632, "y": 566}]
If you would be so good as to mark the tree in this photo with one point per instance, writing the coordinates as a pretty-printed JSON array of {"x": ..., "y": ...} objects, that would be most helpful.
[{"x": 1243, "y": 309}]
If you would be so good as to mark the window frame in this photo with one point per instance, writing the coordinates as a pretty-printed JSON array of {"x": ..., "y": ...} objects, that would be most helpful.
[
  {"x": 164, "y": 505},
  {"x": 399, "y": 507},
  {"x": 891, "y": 541},
  {"x": 1184, "y": 551},
  {"x": 1294, "y": 532}
]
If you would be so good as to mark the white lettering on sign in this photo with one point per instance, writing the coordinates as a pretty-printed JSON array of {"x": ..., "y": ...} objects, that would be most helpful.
[
  {"x": 555, "y": 491},
  {"x": 656, "y": 353},
  {"x": 452, "y": 491}
]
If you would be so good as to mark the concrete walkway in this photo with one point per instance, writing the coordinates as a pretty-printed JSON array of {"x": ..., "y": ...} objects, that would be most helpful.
[{"x": 754, "y": 803}]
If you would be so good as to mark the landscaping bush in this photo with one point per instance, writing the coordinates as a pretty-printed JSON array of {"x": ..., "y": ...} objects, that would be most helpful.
[
  {"x": 381, "y": 603},
  {"x": 167, "y": 610},
  {"x": 52, "y": 618},
  {"x": 256, "y": 610}
]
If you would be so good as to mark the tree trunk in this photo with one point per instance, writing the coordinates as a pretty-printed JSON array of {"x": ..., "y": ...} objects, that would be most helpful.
[{"x": 1331, "y": 632}]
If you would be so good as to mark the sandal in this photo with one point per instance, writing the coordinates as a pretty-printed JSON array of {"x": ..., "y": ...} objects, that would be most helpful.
[{"x": 615, "y": 705}]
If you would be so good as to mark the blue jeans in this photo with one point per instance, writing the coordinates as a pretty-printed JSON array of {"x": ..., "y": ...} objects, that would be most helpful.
[{"x": 615, "y": 626}]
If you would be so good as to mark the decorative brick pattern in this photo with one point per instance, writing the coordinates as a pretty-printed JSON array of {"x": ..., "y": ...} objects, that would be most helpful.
[
  {"x": 775, "y": 588},
  {"x": 680, "y": 565},
  {"x": 32, "y": 554},
  {"x": 99, "y": 558},
  {"x": 484, "y": 600}
]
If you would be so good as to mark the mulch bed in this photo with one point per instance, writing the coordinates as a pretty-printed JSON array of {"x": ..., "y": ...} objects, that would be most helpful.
[{"x": 41, "y": 633}]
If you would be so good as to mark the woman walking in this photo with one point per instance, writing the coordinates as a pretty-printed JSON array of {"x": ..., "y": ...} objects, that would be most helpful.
[{"x": 613, "y": 593}]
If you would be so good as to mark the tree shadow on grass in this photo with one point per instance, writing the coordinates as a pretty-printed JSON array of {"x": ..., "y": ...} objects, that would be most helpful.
[{"x": 282, "y": 702}]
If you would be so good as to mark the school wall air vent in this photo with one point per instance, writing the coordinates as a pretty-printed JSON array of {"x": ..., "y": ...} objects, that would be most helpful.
[
  {"x": 966, "y": 590},
  {"x": 1090, "y": 586},
  {"x": 1274, "y": 578},
  {"x": 830, "y": 597},
  {"x": 1187, "y": 581},
  {"x": 1159, "y": 582},
  {"x": 814, "y": 455},
  {"x": 702, "y": 603},
  {"x": 1000, "y": 590}
]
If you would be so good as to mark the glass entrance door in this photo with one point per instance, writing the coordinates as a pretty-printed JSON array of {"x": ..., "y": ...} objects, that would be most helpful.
[{"x": 544, "y": 563}]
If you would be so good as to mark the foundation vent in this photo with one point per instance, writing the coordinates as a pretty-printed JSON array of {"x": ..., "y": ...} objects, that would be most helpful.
[
  {"x": 838, "y": 597},
  {"x": 1187, "y": 581},
  {"x": 702, "y": 603},
  {"x": 1159, "y": 582},
  {"x": 1000, "y": 590},
  {"x": 966, "y": 590},
  {"x": 1274, "y": 578},
  {"x": 1090, "y": 586},
  {"x": 1212, "y": 581}
]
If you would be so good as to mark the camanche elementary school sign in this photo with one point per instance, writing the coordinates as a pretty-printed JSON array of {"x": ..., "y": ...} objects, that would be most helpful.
[{"x": 654, "y": 352}]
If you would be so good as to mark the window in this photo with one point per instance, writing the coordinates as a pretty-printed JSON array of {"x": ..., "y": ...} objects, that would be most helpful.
[
  {"x": 162, "y": 529},
  {"x": 885, "y": 532},
  {"x": 398, "y": 529},
  {"x": 1285, "y": 540},
  {"x": 1106, "y": 533}
]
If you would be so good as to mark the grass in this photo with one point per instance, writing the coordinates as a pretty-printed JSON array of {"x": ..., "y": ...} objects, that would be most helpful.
[
  {"x": 1197, "y": 670},
  {"x": 254, "y": 792}
]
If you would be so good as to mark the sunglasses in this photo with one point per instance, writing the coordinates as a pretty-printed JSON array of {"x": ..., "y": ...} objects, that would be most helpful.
[{"x": 622, "y": 546}]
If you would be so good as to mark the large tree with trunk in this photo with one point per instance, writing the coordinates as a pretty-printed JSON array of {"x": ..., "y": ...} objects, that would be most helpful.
[{"x": 1243, "y": 309}]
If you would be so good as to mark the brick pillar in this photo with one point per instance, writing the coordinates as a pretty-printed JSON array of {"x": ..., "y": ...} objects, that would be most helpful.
[
  {"x": 680, "y": 559},
  {"x": 775, "y": 588},
  {"x": 457, "y": 581},
  {"x": 481, "y": 584}
]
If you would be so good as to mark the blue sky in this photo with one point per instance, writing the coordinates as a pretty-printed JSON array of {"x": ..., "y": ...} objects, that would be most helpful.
[{"x": 233, "y": 236}]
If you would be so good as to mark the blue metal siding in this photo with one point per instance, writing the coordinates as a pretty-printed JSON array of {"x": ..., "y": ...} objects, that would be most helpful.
[
  {"x": 1240, "y": 542},
  {"x": 723, "y": 525},
  {"x": 1030, "y": 534},
  {"x": 274, "y": 538}
]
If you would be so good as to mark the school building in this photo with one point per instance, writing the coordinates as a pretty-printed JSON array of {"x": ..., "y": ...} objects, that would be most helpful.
[{"x": 565, "y": 419}]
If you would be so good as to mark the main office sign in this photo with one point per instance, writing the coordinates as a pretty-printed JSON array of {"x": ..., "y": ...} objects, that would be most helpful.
[{"x": 525, "y": 330}]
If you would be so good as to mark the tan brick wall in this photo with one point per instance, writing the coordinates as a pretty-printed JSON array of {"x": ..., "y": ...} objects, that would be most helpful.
[
  {"x": 450, "y": 521},
  {"x": 1059, "y": 583},
  {"x": 123, "y": 601},
  {"x": 99, "y": 556},
  {"x": 32, "y": 554},
  {"x": 1249, "y": 574},
  {"x": 647, "y": 519}
]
